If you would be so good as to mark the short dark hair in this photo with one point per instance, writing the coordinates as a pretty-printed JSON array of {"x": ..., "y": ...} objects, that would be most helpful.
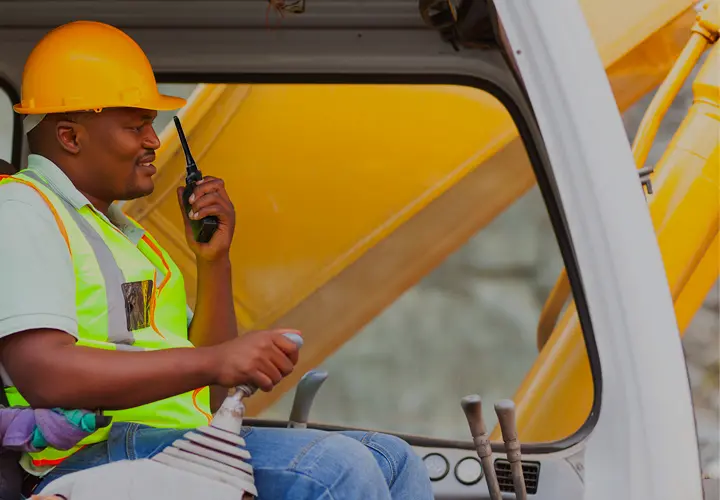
[
  {"x": 33, "y": 141},
  {"x": 7, "y": 168},
  {"x": 38, "y": 141}
]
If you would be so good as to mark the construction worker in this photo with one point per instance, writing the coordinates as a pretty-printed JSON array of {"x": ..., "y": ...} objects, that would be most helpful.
[{"x": 93, "y": 310}]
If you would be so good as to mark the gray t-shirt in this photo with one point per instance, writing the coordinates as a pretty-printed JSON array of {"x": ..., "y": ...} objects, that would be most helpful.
[{"x": 37, "y": 282}]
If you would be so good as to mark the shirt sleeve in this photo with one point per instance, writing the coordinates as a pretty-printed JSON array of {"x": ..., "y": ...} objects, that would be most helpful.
[{"x": 38, "y": 282}]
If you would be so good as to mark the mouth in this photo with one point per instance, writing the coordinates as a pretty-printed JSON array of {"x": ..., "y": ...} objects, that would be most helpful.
[{"x": 145, "y": 163}]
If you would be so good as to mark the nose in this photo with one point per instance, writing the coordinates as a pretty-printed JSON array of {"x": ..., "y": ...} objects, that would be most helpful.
[{"x": 151, "y": 140}]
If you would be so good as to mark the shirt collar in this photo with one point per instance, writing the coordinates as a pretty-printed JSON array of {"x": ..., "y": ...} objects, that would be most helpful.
[
  {"x": 57, "y": 180},
  {"x": 124, "y": 224},
  {"x": 63, "y": 187}
]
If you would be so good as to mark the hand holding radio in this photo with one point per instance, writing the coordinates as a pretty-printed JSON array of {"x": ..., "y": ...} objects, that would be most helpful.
[
  {"x": 209, "y": 214},
  {"x": 209, "y": 199}
]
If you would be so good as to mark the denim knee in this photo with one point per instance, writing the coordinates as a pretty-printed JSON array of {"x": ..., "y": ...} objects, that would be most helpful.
[
  {"x": 399, "y": 456},
  {"x": 343, "y": 466}
]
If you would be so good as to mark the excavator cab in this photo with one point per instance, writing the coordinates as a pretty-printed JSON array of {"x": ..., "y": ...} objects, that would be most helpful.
[{"x": 411, "y": 178}]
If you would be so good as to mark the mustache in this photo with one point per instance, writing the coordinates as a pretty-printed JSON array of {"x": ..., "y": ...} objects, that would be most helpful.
[{"x": 147, "y": 158}]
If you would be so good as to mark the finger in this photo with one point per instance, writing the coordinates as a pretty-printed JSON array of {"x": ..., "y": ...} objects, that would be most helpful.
[
  {"x": 262, "y": 381},
  {"x": 284, "y": 343},
  {"x": 209, "y": 178},
  {"x": 207, "y": 199},
  {"x": 272, "y": 371},
  {"x": 213, "y": 199},
  {"x": 295, "y": 357},
  {"x": 215, "y": 209},
  {"x": 208, "y": 186},
  {"x": 288, "y": 348},
  {"x": 282, "y": 361}
]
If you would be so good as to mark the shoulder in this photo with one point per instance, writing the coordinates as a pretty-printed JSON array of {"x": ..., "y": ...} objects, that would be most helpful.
[
  {"x": 16, "y": 195},
  {"x": 12, "y": 190},
  {"x": 19, "y": 193},
  {"x": 26, "y": 216}
]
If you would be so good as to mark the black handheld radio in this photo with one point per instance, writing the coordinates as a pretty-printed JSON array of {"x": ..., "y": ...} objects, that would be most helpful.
[{"x": 204, "y": 228}]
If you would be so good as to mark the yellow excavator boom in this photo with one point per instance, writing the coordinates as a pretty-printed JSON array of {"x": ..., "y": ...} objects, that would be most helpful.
[{"x": 329, "y": 231}]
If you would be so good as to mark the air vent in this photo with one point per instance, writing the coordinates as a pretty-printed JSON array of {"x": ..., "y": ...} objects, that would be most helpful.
[{"x": 531, "y": 471}]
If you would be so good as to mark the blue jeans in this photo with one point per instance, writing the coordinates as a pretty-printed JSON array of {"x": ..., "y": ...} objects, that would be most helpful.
[{"x": 302, "y": 464}]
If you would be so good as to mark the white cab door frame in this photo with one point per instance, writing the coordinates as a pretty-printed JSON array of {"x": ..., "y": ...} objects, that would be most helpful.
[{"x": 644, "y": 444}]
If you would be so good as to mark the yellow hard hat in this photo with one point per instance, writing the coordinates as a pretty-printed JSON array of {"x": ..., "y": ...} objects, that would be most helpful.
[{"x": 87, "y": 65}]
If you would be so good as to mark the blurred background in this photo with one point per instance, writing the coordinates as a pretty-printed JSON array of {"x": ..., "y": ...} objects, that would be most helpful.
[{"x": 400, "y": 373}]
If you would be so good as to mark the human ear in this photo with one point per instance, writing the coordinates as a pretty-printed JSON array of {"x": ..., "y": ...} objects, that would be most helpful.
[{"x": 68, "y": 133}]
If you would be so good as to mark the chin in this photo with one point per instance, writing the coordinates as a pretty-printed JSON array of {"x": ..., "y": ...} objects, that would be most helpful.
[{"x": 140, "y": 190}]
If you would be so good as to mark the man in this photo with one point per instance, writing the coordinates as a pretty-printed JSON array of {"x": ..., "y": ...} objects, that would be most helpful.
[{"x": 76, "y": 270}]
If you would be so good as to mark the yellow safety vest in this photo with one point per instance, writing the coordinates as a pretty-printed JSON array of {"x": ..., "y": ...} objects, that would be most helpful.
[{"x": 106, "y": 263}]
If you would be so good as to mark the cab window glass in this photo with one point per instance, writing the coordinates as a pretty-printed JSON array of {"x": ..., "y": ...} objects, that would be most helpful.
[
  {"x": 415, "y": 252},
  {"x": 469, "y": 326}
]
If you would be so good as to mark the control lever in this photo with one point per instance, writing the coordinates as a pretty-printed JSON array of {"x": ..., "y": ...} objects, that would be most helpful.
[
  {"x": 305, "y": 393},
  {"x": 505, "y": 411},
  {"x": 472, "y": 406}
]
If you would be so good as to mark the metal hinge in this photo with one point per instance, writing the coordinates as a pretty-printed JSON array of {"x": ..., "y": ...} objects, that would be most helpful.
[
  {"x": 460, "y": 22},
  {"x": 644, "y": 174}
]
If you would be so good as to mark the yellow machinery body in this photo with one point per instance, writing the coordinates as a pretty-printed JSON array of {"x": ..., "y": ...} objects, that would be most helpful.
[
  {"x": 556, "y": 396},
  {"x": 347, "y": 195}
]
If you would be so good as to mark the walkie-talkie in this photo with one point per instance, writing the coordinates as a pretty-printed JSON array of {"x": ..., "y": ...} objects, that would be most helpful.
[{"x": 204, "y": 228}]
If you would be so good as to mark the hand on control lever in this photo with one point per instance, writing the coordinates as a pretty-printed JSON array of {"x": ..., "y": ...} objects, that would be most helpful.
[
  {"x": 229, "y": 416},
  {"x": 258, "y": 359}
]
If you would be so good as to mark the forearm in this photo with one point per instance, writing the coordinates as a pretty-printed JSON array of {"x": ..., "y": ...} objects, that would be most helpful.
[
  {"x": 91, "y": 379},
  {"x": 214, "y": 319}
]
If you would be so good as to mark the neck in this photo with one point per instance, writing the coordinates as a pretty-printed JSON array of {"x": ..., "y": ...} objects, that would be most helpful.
[
  {"x": 101, "y": 205},
  {"x": 67, "y": 166}
]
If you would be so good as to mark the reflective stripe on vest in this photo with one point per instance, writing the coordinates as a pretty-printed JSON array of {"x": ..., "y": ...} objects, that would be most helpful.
[
  {"x": 118, "y": 332},
  {"x": 103, "y": 261}
]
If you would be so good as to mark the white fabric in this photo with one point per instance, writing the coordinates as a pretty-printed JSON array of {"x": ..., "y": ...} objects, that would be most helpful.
[
  {"x": 38, "y": 284},
  {"x": 31, "y": 121},
  {"x": 140, "y": 480}
]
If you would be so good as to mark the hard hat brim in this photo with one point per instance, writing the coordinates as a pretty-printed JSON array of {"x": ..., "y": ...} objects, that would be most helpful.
[{"x": 159, "y": 103}]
